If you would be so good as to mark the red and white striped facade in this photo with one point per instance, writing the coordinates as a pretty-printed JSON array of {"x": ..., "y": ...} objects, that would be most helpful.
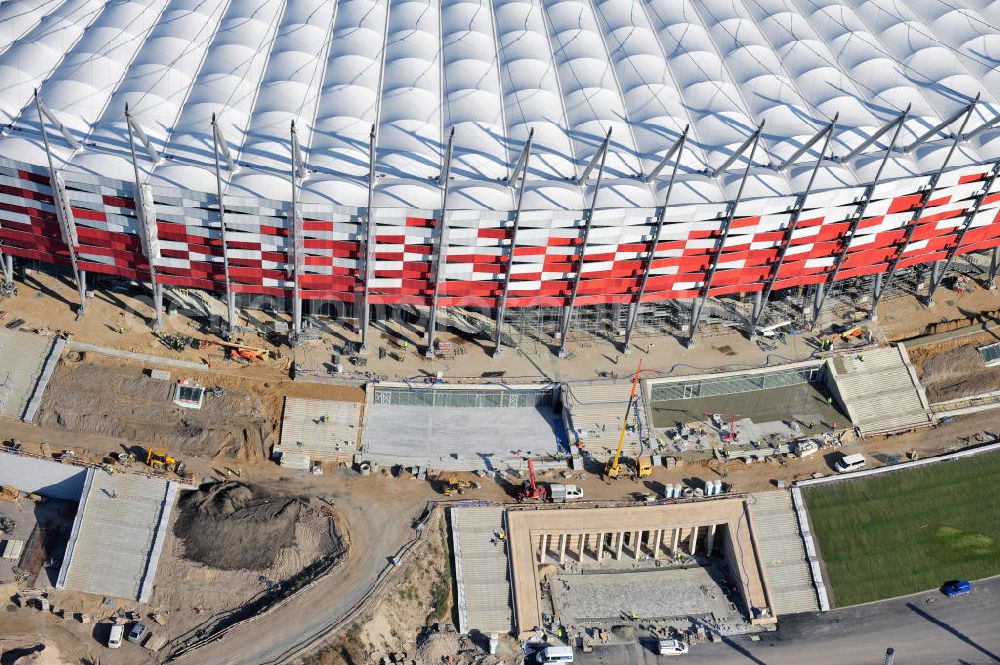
[{"x": 186, "y": 242}]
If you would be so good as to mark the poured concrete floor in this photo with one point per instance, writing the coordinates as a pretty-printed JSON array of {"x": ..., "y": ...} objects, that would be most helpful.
[
  {"x": 462, "y": 432},
  {"x": 799, "y": 403},
  {"x": 655, "y": 594}
]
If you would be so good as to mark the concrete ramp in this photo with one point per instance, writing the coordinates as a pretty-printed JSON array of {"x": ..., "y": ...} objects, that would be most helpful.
[
  {"x": 23, "y": 363},
  {"x": 118, "y": 534},
  {"x": 481, "y": 569},
  {"x": 880, "y": 390},
  {"x": 783, "y": 553}
]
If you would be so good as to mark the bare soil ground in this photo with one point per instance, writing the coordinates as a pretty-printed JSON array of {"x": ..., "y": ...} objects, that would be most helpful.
[
  {"x": 954, "y": 369},
  {"x": 117, "y": 399}
]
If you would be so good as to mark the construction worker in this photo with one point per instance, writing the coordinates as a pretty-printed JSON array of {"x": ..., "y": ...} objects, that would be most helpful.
[
  {"x": 861, "y": 357},
  {"x": 829, "y": 401},
  {"x": 120, "y": 330},
  {"x": 649, "y": 348},
  {"x": 812, "y": 424}
]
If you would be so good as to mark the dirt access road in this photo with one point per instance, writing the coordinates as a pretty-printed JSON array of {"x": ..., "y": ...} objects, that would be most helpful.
[{"x": 378, "y": 513}]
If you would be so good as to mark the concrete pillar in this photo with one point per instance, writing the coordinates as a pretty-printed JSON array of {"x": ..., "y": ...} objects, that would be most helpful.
[
  {"x": 676, "y": 539},
  {"x": 657, "y": 542},
  {"x": 563, "y": 539},
  {"x": 231, "y": 307},
  {"x": 158, "y": 307},
  {"x": 636, "y": 543},
  {"x": 693, "y": 543},
  {"x": 710, "y": 539},
  {"x": 542, "y": 546},
  {"x": 8, "y": 268},
  {"x": 582, "y": 545},
  {"x": 621, "y": 541}
]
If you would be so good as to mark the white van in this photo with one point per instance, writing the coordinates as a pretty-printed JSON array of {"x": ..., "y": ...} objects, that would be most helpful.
[
  {"x": 565, "y": 492},
  {"x": 850, "y": 463},
  {"x": 115, "y": 638},
  {"x": 555, "y": 655}
]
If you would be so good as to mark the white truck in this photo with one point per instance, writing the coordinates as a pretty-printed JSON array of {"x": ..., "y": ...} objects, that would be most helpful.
[{"x": 560, "y": 492}]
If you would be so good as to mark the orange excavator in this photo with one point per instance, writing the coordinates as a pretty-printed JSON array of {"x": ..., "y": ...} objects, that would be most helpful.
[
  {"x": 236, "y": 351},
  {"x": 531, "y": 490}
]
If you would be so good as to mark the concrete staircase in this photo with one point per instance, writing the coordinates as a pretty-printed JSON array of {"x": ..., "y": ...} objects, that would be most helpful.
[
  {"x": 783, "y": 553},
  {"x": 597, "y": 410},
  {"x": 881, "y": 393},
  {"x": 481, "y": 569}
]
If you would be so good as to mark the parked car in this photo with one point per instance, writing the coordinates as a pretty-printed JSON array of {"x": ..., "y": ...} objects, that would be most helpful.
[
  {"x": 558, "y": 654},
  {"x": 850, "y": 463},
  {"x": 138, "y": 632},
  {"x": 671, "y": 648},
  {"x": 956, "y": 588},
  {"x": 115, "y": 638},
  {"x": 560, "y": 492}
]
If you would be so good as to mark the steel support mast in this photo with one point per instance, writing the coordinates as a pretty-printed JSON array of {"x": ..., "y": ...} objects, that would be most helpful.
[{"x": 439, "y": 245}]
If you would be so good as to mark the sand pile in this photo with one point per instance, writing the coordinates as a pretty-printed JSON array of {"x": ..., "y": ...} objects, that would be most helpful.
[{"x": 236, "y": 526}]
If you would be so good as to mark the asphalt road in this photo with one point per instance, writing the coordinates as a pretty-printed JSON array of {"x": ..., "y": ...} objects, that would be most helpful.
[{"x": 924, "y": 629}]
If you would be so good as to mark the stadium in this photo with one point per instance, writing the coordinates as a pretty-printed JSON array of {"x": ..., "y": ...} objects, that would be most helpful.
[{"x": 644, "y": 162}]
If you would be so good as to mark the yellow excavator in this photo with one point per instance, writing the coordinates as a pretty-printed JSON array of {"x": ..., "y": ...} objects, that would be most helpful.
[
  {"x": 644, "y": 465},
  {"x": 158, "y": 459}
]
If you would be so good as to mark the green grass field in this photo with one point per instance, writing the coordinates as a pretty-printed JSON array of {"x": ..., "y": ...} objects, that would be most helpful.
[{"x": 904, "y": 532}]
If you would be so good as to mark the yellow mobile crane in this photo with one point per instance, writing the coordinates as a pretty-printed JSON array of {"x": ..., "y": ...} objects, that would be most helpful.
[{"x": 613, "y": 469}]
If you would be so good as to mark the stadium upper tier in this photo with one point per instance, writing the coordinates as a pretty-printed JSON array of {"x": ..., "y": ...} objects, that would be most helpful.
[
  {"x": 778, "y": 118},
  {"x": 492, "y": 71}
]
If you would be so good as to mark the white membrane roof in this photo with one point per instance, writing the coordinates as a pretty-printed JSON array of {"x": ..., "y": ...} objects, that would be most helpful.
[{"x": 491, "y": 72}]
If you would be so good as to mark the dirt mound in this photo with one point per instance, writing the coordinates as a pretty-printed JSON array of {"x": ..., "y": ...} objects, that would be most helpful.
[
  {"x": 123, "y": 402},
  {"x": 233, "y": 526},
  {"x": 958, "y": 372}
]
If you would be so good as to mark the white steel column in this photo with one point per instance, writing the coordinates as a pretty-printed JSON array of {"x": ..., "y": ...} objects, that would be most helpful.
[
  {"x": 520, "y": 170},
  {"x": 64, "y": 213},
  {"x": 439, "y": 246},
  {"x": 143, "y": 209},
  {"x": 296, "y": 245},
  {"x": 368, "y": 246},
  {"x": 218, "y": 139},
  {"x": 568, "y": 313}
]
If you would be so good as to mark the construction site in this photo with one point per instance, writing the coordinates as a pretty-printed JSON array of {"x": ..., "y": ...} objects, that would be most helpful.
[{"x": 467, "y": 506}]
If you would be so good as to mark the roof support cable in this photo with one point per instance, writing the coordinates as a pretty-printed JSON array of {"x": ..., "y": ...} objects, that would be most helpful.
[
  {"x": 296, "y": 244},
  {"x": 219, "y": 140},
  {"x": 966, "y": 225},
  {"x": 582, "y": 255},
  {"x": 823, "y": 290},
  {"x": 64, "y": 213},
  {"x": 440, "y": 244},
  {"x": 823, "y": 132},
  {"x": 502, "y": 305},
  {"x": 944, "y": 123},
  {"x": 674, "y": 149},
  {"x": 911, "y": 227},
  {"x": 368, "y": 246},
  {"x": 145, "y": 212},
  {"x": 752, "y": 139},
  {"x": 654, "y": 240},
  {"x": 793, "y": 224},
  {"x": 600, "y": 155},
  {"x": 699, "y": 303},
  {"x": 892, "y": 124}
]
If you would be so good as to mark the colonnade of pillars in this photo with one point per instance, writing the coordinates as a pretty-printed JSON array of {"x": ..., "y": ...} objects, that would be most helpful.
[{"x": 637, "y": 544}]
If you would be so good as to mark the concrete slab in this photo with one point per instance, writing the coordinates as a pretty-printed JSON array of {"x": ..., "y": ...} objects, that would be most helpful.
[
  {"x": 436, "y": 432},
  {"x": 597, "y": 597},
  {"x": 788, "y": 403},
  {"x": 322, "y": 429}
]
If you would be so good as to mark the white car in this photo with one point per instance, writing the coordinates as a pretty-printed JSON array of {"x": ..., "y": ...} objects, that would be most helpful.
[
  {"x": 115, "y": 637},
  {"x": 671, "y": 648}
]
